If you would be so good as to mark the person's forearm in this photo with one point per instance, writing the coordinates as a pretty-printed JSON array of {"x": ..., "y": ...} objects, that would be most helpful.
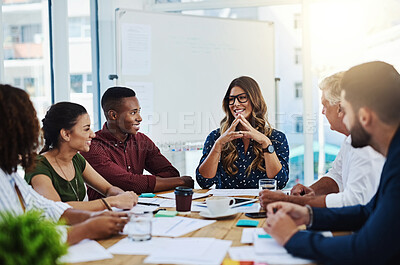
[
  {"x": 74, "y": 216},
  {"x": 163, "y": 184},
  {"x": 272, "y": 164},
  {"x": 95, "y": 205},
  {"x": 324, "y": 186},
  {"x": 77, "y": 233},
  {"x": 208, "y": 168},
  {"x": 113, "y": 191},
  {"x": 315, "y": 201}
]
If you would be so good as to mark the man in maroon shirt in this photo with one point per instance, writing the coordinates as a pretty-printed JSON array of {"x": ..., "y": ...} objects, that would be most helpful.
[{"x": 120, "y": 153}]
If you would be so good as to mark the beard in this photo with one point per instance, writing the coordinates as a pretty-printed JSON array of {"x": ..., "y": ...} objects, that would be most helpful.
[{"x": 359, "y": 137}]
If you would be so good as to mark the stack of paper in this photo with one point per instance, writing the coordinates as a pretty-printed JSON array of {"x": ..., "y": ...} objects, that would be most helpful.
[
  {"x": 248, "y": 254},
  {"x": 86, "y": 250},
  {"x": 191, "y": 250},
  {"x": 265, "y": 249}
]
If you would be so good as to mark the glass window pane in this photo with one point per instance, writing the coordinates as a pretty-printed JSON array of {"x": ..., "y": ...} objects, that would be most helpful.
[
  {"x": 80, "y": 55},
  {"x": 26, "y": 49}
]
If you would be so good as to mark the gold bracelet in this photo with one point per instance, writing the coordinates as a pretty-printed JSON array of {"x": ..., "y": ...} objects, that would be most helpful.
[{"x": 106, "y": 204}]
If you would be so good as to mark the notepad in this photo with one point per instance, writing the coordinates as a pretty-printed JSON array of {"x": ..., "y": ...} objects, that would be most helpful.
[
  {"x": 166, "y": 214},
  {"x": 247, "y": 223}
]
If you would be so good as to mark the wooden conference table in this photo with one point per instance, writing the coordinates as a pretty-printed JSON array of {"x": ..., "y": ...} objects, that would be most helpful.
[{"x": 222, "y": 229}]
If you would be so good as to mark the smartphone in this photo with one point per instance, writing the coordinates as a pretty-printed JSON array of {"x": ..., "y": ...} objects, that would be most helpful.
[{"x": 256, "y": 215}]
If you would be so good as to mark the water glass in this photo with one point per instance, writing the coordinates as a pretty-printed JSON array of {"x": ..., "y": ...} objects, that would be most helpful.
[
  {"x": 267, "y": 184},
  {"x": 139, "y": 226}
]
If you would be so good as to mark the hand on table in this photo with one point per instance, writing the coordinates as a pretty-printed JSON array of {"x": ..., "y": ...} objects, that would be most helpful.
[
  {"x": 268, "y": 196},
  {"x": 187, "y": 181},
  {"x": 301, "y": 190},
  {"x": 280, "y": 226},
  {"x": 104, "y": 226},
  {"x": 125, "y": 200}
]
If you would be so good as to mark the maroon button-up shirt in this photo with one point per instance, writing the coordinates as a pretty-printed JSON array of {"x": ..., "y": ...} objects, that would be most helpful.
[{"x": 122, "y": 163}]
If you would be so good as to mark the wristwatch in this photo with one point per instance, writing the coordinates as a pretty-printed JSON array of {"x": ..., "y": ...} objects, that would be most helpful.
[{"x": 269, "y": 149}]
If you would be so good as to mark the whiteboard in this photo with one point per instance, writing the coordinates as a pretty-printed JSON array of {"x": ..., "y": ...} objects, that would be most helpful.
[{"x": 180, "y": 66}]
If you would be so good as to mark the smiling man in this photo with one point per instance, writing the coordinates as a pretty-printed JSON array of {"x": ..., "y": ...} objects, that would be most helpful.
[
  {"x": 120, "y": 153},
  {"x": 370, "y": 100}
]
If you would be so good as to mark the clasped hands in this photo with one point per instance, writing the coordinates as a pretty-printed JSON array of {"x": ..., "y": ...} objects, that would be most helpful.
[
  {"x": 249, "y": 132},
  {"x": 283, "y": 219}
]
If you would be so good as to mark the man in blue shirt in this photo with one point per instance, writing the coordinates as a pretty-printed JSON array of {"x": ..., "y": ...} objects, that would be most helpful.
[{"x": 370, "y": 101}]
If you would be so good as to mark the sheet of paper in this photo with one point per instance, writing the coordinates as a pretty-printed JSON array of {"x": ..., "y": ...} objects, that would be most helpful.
[
  {"x": 136, "y": 48},
  {"x": 177, "y": 226},
  {"x": 234, "y": 192},
  {"x": 249, "y": 208},
  {"x": 247, "y": 253},
  {"x": 86, "y": 250},
  {"x": 268, "y": 246},
  {"x": 171, "y": 195},
  {"x": 159, "y": 201},
  {"x": 249, "y": 234},
  {"x": 128, "y": 247},
  {"x": 143, "y": 208},
  {"x": 199, "y": 251}
]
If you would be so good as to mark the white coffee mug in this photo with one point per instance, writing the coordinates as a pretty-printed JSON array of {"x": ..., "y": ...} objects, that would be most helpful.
[{"x": 219, "y": 205}]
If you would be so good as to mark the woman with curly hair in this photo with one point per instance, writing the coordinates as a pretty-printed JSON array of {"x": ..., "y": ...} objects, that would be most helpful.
[{"x": 245, "y": 148}]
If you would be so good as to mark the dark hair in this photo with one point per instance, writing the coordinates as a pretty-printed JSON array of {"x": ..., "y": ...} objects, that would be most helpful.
[
  {"x": 62, "y": 115},
  {"x": 19, "y": 133},
  {"x": 375, "y": 85},
  {"x": 111, "y": 99},
  {"x": 259, "y": 120}
]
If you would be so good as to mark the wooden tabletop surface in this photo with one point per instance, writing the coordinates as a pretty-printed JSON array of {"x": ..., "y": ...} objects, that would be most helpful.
[{"x": 224, "y": 228}]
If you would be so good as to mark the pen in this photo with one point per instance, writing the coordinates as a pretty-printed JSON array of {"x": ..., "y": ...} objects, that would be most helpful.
[
  {"x": 106, "y": 204},
  {"x": 148, "y": 203}
]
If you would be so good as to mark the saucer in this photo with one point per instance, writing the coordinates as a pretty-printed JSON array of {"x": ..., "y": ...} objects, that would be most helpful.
[{"x": 206, "y": 213}]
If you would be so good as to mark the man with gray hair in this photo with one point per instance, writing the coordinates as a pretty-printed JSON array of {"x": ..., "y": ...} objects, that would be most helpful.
[{"x": 355, "y": 173}]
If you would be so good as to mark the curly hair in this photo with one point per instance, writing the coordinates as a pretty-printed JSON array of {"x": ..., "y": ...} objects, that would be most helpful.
[
  {"x": 258, "y": 120},
  {"x": 19, "y": 133}
]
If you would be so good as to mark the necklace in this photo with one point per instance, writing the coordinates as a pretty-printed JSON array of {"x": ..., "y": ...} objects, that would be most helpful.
[{"x": 69, "y": 182}]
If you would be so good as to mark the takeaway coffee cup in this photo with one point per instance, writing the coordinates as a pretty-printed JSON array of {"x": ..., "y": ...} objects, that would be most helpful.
[
  {"x": 219, "y": 205},
  {"x": 183, "y": 199}
]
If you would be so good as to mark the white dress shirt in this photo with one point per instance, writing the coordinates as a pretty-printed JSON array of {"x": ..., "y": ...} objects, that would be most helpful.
[
  {"x": 357, "y": 173},
  {"x": 9, "y": 200}
]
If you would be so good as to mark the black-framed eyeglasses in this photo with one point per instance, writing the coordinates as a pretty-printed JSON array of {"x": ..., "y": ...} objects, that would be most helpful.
[{"x": 242, "y": 98}]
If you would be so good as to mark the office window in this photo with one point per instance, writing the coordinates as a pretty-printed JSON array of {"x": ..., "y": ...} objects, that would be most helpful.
[
  {"x": 76, "y": 83},
  {"x": 297, "y": 21},
  {"x": 298, "y": 90},
  {"x": 31, "y": 33},
  {"x": 297, "y": 55},
  {"x": 79, "y": 27},
  {"x": 26, "y": 49},
  {"x": 298, "y": 126},
  {"x": 80, "y": 56}
]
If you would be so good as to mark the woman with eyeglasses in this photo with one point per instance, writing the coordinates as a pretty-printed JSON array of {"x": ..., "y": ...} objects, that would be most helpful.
[{"x": 245, "y": 148}]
